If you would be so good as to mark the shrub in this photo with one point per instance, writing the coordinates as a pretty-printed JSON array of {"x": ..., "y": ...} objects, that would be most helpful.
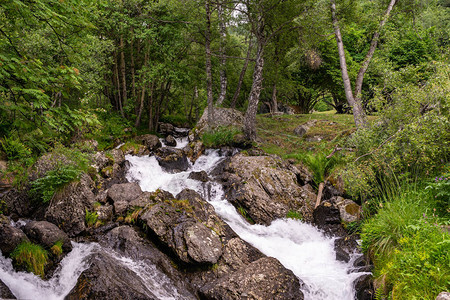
[
  {"x": 30, "y": 256},
  {"x": 45, "y": 187},
  {"x": 319, "y": 165},
  {"x": 220, "y": 136}
]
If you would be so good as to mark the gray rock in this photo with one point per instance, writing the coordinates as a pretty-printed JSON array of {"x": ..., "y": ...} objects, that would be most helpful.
[
  {"x": 203, "y": 244},
  {"x": 301, "y": 130},
  {"x": 10, "y": 237},
  {"x": 265, "y": 186},
  {"x": 200, "y": 176},
  {"x": 443, "y": 296},
  {"x": 105, "y": 213},
  {"x": 194, "y": 150},
  {"x": 68, "y": 207},
  {"x": 5, "y": 292},
  {"x": 265, "y": 278},
  {"x": 150, "y": 141},
  {"x": 47, "y": 234},
  {"x": 166, "y": 128},
  {"x": 348, "y": 209},
  {"x": 222, "y": 117},
  {"x": 326, "y": 213},
  {"x": 18, "y": 203},
  {"x": 106, "y": 278},
  {"x": 170, "y": 141},
  {"x": 344, "y": 247},
  {"x": 48, "y": 162},
  {"x": 172, "y": 160},
  {"x": 122, "y": 194}
]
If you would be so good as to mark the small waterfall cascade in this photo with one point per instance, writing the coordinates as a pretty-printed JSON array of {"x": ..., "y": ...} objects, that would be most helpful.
[{"x": 299, "y": 246}]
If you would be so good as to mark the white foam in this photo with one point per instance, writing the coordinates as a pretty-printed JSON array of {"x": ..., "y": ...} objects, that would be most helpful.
[{"x": 300, "y": 247}]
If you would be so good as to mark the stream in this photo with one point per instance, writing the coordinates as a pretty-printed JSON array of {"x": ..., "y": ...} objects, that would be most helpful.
[{"x": 299, "y": 246}]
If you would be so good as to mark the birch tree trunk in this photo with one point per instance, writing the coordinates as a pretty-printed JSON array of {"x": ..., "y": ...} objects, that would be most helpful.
[
  {"x": 208, "y": 64},
  {"x": 223, "y": 60},
  {"x": 123, "y": 71},
  {"x": 274, "y": 105},
  {"x": 241, "y": 76}
]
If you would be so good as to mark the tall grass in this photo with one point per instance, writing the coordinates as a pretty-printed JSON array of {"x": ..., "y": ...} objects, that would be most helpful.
[
  {"x": 220, "y": 136},
  {"x": 31, "y": 256},
  {"x": 407, "y": 244}
]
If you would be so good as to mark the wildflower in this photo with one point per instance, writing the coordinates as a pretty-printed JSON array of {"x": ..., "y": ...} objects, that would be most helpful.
[{"x": 425, "y": 216}]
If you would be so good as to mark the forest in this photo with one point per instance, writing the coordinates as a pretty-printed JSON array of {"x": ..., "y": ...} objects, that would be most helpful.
[{"x": 112, "y": 70}]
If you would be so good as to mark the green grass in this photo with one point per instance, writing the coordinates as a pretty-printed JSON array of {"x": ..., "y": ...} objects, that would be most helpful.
[
  {"x": 294, "y": 215},
  {"x": 409, "y": 248},
  {"x": 56, "y": 249},
  {"x": 220, "y": 136},
  {"x": 91, "y": 218},
  {"x": 31, "y": 256}
]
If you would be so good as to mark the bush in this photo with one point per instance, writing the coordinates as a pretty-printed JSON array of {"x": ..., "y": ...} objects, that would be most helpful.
[
  {"x": 220, "y": 136},
  {"x": 31, "y": 256},
  {"x": 407, "y": 245},
  {"x": 45, "y": 187}
]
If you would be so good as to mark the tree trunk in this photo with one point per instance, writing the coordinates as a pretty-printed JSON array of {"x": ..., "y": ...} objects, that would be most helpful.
[
  {"x": 223, "y": 60},
  {"x": 150, "y": 107},
  {"x": 194, "y": 97},
  {"x": 250, "y": 114},
  {"x": 141, "y": 103},
  {"x": 358, "y": 111},
  {"x": 274, "y": 106},
  {"x": 208, "y": 65},
  {"x": 241, "y": 76},
  {"x": 123, "y": 71},
  {"x": 116, "y": 73}
]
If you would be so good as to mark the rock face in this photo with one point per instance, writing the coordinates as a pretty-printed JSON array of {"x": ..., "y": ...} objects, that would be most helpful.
[
  {"x": 265, "y": 186},
  {"x": 265, "y": 278},
  {"x": 68, "y": 207},
  {"x": 222, "y": 117},
  {"x": 172, "y": 160},
  {"x": 150, "y": 141},
  {"x": 18, "y": 203},
  {"x": 47, "y": 234},
  {"x": 122, "y": 194},
  {"x": 10, "y": 237},
  {"x": 106, "y": 278}
]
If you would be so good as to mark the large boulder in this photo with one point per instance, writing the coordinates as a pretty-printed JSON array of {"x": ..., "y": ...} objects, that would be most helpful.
[
  {"x": 47, "y": 234},
  {"x": 48, "y": 162},
  {"x": 170, "y": 141},
  {"x": 122, "y": 194},
  {"x": 222, "y": 117},
  {"x": 166, "y": 129},
  {"x": 200, "y": 176},
  {"x": 265, "y": 278},
  {"x": 172, "y": 160},
  {"x": 108, "y": 278},
  {"x": 348, "y": 209},
  {"x": 10, "y": 237},
  {"x": 68, "y": 207},
  {"x": 266, "y": 187},
  {"x": 150, "y": 141}
]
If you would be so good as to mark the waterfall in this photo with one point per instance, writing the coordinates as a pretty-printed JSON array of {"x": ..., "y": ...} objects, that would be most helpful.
[{"x": 299, "y": 246}]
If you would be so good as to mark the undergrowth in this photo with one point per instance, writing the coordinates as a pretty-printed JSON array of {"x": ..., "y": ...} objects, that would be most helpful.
[{"x": 220, "y": 136}]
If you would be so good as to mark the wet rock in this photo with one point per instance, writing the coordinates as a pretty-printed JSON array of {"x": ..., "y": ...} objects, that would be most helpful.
[
  {"x": 222, "y": 117},
  {"x": 443, "y": 296},
  {"x": 68, "y": 207},
  {"x": 203, "y": 244},
  {"x": 166, "y": 128},
  {"x": 170, "y": 141},
  {"x": 5, "y": 292},
  {"x": 349, "y": 210},
  {"x": 344, "y": 247},
  {"x": 107, "y": 278},
  {"x": 122, "y": 194},
  {"x": 194, "y": 150},
  {"x": 181, "y": 132},
  {"x": 301, "y": 130},
  {"x": 361, "y": 264},
  {"x": 265, "y": 278},
  {"x": 265, "y": 186},
  {"x": 172, "y": 160},
  {"x": 150, "y": 141},
  {"x": 10, "y": 237},
  {"x": 200, "y": 176},
  {"x": 47, "y": 234},
  {"x": 363, "y": 286},
  {"x": 326, "y": 213},
  {"x": 129, "y": 242}
]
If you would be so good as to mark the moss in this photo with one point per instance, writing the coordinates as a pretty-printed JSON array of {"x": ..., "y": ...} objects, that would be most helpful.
[
  {"x": 56, "y": 249},
  {"x": 30, "y": 256}
]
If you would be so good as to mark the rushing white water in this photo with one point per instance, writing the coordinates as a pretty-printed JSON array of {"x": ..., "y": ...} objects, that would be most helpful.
[
  {"x": 29, "y": 286},
  {"x": 300, "y": 247}
]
